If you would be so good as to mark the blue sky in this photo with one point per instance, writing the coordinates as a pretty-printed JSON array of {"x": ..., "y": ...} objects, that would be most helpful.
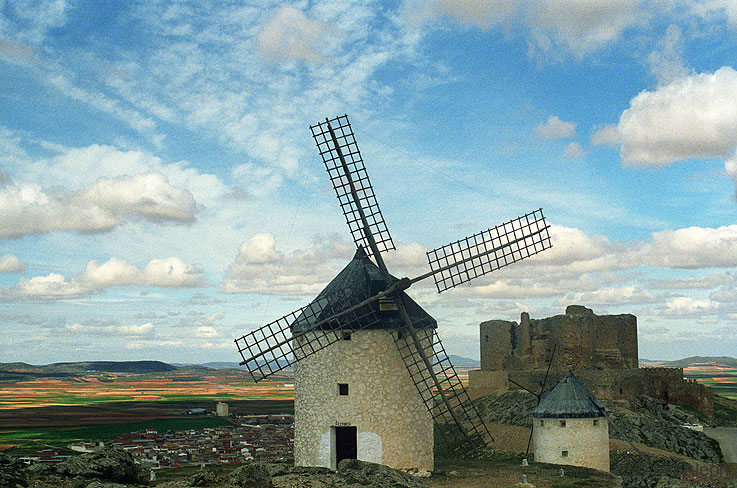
[{"x": 160, "y": 193}]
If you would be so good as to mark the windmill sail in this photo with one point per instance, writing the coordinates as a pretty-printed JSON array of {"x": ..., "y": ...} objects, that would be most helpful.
[
  {"x": 442, "y": 392},
  {"x": 337, "y": 146},
  {"x": 479, "y": 254},
  {"x": 275, "y": 346}
]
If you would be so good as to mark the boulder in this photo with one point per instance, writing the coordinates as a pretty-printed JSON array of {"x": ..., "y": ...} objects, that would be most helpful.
[
  {"x": 12, "y": 473},
  {"x": 253, "y": 475},
  {"x": 108, "y": 464},
  {"x": 376, "y": 475}
]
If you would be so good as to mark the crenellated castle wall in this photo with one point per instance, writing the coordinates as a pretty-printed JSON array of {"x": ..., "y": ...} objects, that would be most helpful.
[{"x": 600, "y": 349}]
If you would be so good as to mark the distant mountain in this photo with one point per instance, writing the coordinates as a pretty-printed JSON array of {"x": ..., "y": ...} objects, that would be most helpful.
[
  {"x": 61, "y": 369},
  {"x": 222, "y": 365},
  {"x": 464, "y": 363},
  {"x": 723, "y": 361}
]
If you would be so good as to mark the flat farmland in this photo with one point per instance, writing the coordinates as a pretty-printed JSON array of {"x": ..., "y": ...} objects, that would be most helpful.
[
  {"x": 41, "y": 412},
  {"x": 723, "y": 380},
  {"x": 127, "y": 387}
]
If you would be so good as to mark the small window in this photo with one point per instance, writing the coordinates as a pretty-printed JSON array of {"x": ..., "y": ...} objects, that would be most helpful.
[
  {"x": 346, "y": 336},
  {"x": 542, "y": 422},
  {"x": 596, "y": 422},
  {"x": 564, "y": 453},
  {"x": 562, "y": 423},
  {"x": 486, "y": 338},
  {"x": 399, "y": 335},
  {"x": 343, "y": 389}
]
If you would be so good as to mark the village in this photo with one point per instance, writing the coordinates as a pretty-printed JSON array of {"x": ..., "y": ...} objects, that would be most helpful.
[{"x": 251, "y": 438}]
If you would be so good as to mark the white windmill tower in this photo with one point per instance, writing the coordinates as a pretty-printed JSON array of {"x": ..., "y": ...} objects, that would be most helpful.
[
  {"x": 570, "y": 427},
  {"x": 371, "y": 375}
]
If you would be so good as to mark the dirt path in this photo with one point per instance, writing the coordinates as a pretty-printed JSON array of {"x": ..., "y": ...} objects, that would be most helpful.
[{"x": 727, "y": 437}]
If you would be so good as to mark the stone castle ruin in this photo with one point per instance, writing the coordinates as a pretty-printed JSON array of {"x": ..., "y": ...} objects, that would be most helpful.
[{"x": 600, "y": 349}]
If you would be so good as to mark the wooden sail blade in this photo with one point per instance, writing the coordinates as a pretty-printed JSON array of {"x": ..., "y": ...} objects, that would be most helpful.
[
  {"x": 305, "y": 331},
  {"x": 461, "y": 261},
  {"x": 336, "y": 143},
  {"x": 463, "y": 429}
]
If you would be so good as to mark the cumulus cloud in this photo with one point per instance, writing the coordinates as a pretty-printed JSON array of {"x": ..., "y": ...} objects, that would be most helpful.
[
  {"x": 289, "y": 35},
  {"x": 688, "y": 307},
  {"x": 10, "y": 263},
  {"x": 96, "y": 278},
  {"x": 691, "y": 248},
  {"x": 579, "y": 26},
  {"x": 573, "y": 151},
  {"x": 108, "y": 202},
  {"x": 171, "y": 273},
  {"x": 260, "y": 268},
  {"x": 692, "y": 117},
  {"x": 50, "y": 286},
  {"x": 555, "y": 128}
]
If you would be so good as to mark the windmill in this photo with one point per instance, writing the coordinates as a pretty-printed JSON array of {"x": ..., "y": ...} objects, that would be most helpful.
[{"x": 344, "y": 311}]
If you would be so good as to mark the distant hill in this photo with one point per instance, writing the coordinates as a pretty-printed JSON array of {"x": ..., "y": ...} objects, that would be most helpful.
[
  {"x": 460, "y": 362},
  {"x": 62, "y": 369},
  {"x": 723, "y": 361}
]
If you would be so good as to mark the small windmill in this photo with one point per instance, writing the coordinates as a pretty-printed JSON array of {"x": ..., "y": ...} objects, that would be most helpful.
[{"x": 345, "y": 311}]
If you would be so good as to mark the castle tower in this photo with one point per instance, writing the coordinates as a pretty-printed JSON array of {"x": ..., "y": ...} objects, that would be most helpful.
[
  {"x": 355, "y": 399},
  {"x": 570, "y": 427}
]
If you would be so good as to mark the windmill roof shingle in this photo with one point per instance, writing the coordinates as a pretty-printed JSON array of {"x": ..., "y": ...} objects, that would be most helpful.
[
  {"x": 359, "y": 280},
  {"x": 569, "y": 399}
]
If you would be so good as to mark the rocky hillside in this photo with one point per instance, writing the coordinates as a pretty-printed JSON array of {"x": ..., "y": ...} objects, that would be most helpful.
[
  {"x": 645, "y": 422},
  {"x": 114, "y": 468}
]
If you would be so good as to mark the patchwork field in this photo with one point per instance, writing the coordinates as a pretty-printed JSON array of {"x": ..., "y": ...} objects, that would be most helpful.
[
  {"x": 720, "y": 378},
  {"x": 128, "y": 387}
]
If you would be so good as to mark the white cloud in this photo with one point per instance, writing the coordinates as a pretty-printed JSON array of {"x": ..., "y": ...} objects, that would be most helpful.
[
  {"x": 627, "y": 295},
  {"x": 205, "y": 332},
  {"x": 114, "y": 272},
  {"x": 579, "y": 26},
  {"x": 666, "y": 61},
  {"x": 126, "y": 330},
  {"x": 171, "y": 273},
  {"x": 259, "y": 249},
  {"x": 709, "y": 9},
  {"x": 99, "y": 207},
  {"x": 730, "y": 167},
  {"x": 260, "y": 268},
  {"x": 96, "y": 278},
  {"x": 51, "y": 286},
  {"x": 692, "y": 117},
  {"x": 687, "y": 307},
  {"x": 289, "y": 35},
  {"x": 555, "y": 128},
  {"x": 10, "y": 263},
  {"x": 573, "y": 151},
  {"x": 691, "y": 248}
]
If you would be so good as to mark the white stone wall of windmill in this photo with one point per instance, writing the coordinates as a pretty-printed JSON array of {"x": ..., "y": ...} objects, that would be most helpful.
[{"x": 393, "y": 426}]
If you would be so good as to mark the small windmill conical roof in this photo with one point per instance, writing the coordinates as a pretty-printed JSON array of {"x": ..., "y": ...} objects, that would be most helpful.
[
  {"x": 359, "y": 280},
  {"x": 569, "y": 399}
]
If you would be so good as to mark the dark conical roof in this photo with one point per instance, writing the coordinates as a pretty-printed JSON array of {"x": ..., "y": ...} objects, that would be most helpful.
[
  {"x": 359, "y": 280},
  {"x": 569, "y": 399}
]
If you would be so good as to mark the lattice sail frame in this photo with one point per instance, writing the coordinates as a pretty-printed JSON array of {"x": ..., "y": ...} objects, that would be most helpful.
[
  {"x": 347, "y": 147},
  {"x": 273, "y": 347},
  {"x": 468, "y": 258},
  {"x": 473, "y": 435}
]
